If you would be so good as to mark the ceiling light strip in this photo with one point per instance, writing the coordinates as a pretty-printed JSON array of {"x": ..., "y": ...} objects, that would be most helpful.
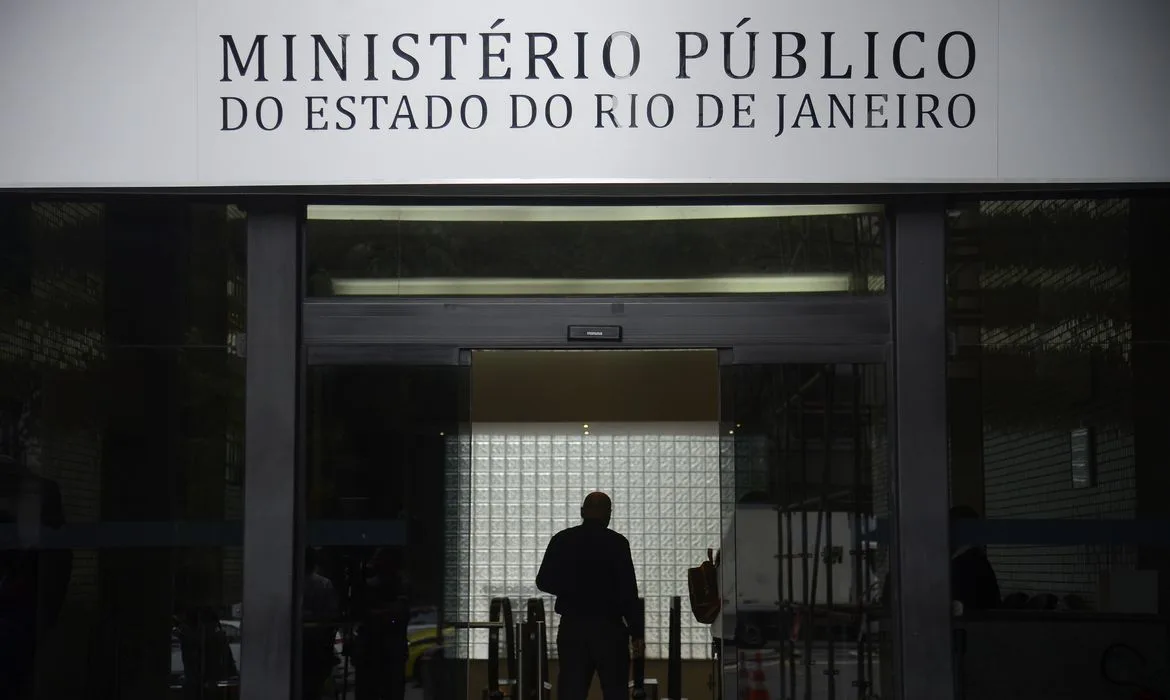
[
  {"x": 771, "y": 284},
  {"x": 583, "y": 214}
]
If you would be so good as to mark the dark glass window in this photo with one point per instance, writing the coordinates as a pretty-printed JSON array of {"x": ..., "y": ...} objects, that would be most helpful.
[
  {"x": 121, "y": 418},
  {"x": 598, "y": 251},
  {"x": 385, "y": 541},
  {"x": 1059, "y": 395}
]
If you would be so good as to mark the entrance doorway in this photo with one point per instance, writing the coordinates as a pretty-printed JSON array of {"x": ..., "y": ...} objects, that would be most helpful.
[
  {"x": 436, "y": 486},
  {"x": 474, "y": 372}
]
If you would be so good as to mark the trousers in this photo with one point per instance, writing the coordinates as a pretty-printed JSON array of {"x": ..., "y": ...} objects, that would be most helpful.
[{"x": 593, "y": 646}]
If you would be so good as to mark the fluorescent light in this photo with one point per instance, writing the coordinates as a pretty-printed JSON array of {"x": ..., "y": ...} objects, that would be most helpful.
[
  {"x": 472, "y": 287},
  {"x": 329, "y": 212}
]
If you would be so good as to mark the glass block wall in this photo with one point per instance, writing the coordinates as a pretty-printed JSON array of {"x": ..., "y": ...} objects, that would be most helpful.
[{"x": 524, "y": 482}]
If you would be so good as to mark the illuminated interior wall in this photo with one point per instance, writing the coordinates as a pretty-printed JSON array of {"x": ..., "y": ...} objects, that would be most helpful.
[{"x": 527, "y": 482}]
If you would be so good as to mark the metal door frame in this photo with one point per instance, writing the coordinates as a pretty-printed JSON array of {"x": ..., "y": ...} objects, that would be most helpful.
[
  {"x": 412, "y": 331},
  {"x": 905, "y": 329},
  {"x": 743, "y": 331}
]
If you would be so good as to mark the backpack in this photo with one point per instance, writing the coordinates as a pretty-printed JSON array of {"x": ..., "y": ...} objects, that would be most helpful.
[{"x": 703, "y": 586}]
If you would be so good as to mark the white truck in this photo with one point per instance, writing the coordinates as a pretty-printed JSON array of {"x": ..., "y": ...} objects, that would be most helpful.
[{"x": 764, "y": 570}]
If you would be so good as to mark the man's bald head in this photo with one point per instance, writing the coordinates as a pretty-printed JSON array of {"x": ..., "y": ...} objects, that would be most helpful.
[{"x": 597, "y": 508}]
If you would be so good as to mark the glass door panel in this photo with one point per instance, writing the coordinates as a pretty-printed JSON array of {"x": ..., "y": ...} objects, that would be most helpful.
[
  {"x": 385, "y": 592},
  {"x": 804, "y": 473},
  {"x": 432, "y": 489}
]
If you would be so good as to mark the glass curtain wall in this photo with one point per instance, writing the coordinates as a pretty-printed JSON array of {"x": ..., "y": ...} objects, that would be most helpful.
[
  {"x": 1058, "y": 463},
  {"x": 386, "y": 472},
  {"x": 804, "y": 559},
  {"x": 121, "y": 463}
]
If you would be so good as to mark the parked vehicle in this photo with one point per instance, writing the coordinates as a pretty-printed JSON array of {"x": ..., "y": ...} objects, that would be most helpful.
[
  {"x": 422, "y": 638},
  {"x": 763, "y": 577},
  {"x": 231, "y": 630}
]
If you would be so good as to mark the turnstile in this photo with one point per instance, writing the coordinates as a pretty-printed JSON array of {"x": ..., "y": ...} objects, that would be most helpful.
[{"x": 500, "y": 617}]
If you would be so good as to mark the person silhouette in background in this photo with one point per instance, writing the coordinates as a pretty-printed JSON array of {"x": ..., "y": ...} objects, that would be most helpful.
[
  {"x": 206, "y": 653},
  {"x": 379, "y": 659},
  {"x": 320, "y": 610},
  {"x": 973, "y": 580},
  {"x": 590, "y": 570}
]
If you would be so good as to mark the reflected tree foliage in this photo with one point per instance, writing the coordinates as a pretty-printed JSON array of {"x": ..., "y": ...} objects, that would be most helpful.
[{"x": 589, "y": 250}]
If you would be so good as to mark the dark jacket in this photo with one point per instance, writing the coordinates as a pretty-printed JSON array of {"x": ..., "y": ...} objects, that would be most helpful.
[
  {"x": 973, "y": 581},
  {"x": 590, "y": 570}
]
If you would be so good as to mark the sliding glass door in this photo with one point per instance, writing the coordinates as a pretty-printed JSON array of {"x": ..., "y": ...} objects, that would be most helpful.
[
  {"x": 804, "y": 511},
  {"x": 435, "y": 478},
  {"x": 474, "y": 372},
  {"x": 386, "y": 536}
]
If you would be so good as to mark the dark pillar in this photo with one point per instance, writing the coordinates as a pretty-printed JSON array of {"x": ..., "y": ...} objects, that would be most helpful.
[
  {"x": 270, "y": 614},
  {"x": 920, "y": 553}
]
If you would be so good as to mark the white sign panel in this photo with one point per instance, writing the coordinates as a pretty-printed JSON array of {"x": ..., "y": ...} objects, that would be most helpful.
[{"x": 247, "y": 92}]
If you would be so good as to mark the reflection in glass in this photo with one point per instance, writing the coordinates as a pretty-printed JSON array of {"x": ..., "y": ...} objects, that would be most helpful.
[
  {"x": 1058, "y": 399},
  {"x": 121, "y": 416},
  {"x": 454, "y": 479},
  {"x": 604, "y": 251},
  {"x": 803, "y": 560},
  {"x": 385, "y": 539}
]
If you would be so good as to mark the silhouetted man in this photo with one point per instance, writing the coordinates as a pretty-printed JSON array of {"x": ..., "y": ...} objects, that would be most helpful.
[
  {"x": 381, "y": 644},
  {"x": 973, "y": 580},
  {"x": 590, "y": 571}
]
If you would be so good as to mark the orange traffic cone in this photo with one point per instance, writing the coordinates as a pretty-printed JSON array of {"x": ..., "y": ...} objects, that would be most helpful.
[{"x": 759, "y": 687}]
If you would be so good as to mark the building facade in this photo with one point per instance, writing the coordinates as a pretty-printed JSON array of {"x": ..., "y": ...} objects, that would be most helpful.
[{"x": 361, "y": 292}]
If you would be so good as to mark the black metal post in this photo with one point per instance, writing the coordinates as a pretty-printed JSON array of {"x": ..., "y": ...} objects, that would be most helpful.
[
  {"x": 919, "y": 481},
  {"x": 785, "y": 520},
  {"x": 495, "y": 615},
  {"x": 860, "y": 551},
  {"x": 529, "y": 683},
  {"x": 535, "y": 664},
  {"x": 827, "y": 512},
  {"x": 674, "y": 651},
  {"x": 510, "y": 644},
  {"x": 803, "y": 608},
  {"x": 639, "y": 661},
  {"x": 271, "y": 613}
]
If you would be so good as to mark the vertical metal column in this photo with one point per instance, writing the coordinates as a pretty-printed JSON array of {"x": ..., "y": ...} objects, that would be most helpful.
[
  {"x": 918, "y": 435},
  {"x": 824, "y": 555},
  {"x": 784, "y": 538},
  {"x": 495, "y": 616},
  {"x": 638, "y": 663},
  {"x": 674, "y": 651},
  {"x": 270, "y": 611}
]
